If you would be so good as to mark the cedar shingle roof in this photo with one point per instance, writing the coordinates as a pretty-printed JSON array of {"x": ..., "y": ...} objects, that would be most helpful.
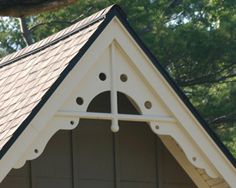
[{"x": 25, "y": 76}]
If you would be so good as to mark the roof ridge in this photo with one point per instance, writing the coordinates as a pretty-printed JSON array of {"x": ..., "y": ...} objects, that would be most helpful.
[{"x": 54, "y": 41}]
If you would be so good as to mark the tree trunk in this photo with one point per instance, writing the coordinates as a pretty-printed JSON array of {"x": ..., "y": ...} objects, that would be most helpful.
[{"x": 25, "y": 32}]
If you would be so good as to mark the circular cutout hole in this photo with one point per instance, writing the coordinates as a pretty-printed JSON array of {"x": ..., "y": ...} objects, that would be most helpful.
[
  {"x": 123, "y": 77},
  {"x": 72, "y": 122},
  {"x": 102, "y": 76},
  {"x": 79, "y": 100},
  {"x": 157, "y": 127},
  {"x": 148, "y": 104},
  {"x": 36, "y": 151},
  {"x": 194, "y": 158}
]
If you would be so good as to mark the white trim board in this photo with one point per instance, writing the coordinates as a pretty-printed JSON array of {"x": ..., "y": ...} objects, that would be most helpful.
[{"x": 197, "y": 145}]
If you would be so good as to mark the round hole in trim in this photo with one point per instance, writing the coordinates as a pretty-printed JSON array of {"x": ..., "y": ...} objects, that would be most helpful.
[
  {"x": 102, "y": 76},
  {"x": 148, "y": 104},
  {"x": 123, "y": 77},
  {"x": 36, "y": 151},
  {"x": 72, "y": 122},
  {"x": 79, "y": 100}
]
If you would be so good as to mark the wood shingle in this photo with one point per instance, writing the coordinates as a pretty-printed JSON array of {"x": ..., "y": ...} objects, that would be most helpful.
[{"x": 25, "y": 76}]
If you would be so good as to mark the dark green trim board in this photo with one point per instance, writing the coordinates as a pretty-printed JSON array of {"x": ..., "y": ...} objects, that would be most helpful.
[{"x": 117, "y": 11}]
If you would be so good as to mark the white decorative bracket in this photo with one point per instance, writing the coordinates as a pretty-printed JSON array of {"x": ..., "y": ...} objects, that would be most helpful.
[
  {"x": 193, "y": 154},
  {"x": 56, "y": 123}
]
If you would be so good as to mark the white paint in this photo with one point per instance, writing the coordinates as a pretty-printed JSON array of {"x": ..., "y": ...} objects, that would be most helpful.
[
  {"x": 114, "y": 101},
  {"x": 168, "y": 115},
  {"x": 121, "y": 117},
  {"x": 37, "y": 147}
]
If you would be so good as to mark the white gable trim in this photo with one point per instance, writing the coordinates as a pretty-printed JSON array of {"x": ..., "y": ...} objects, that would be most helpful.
[
  {"x": 213, "y": 155},
  {"x": 199, "y": 136},
  {"x": 182, "y": 126}
]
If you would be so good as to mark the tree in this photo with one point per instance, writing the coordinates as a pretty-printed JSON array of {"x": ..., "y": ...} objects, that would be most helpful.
[
  {"x": 26, "y": 8},
  {"x": 194, "y": 40}
]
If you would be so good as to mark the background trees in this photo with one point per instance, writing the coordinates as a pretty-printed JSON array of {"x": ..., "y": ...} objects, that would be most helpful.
[{"x": 194, "y": 40}]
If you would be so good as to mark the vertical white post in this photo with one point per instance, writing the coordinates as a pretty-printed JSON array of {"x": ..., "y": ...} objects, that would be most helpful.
[{"x": 114, "y": 105}]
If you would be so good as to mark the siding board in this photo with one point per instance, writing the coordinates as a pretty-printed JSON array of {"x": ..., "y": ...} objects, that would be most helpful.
[
  {"x": 53, "y": 167},
  {"x": 137, "y": 153},
  {"x": 116, "y": 160},
  {"x": 75, "y": 158},
  {"x": 96, "y": 160}
]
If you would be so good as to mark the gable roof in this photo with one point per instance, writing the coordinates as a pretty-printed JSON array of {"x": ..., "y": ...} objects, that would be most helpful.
[{"x": 29, "y": 77}]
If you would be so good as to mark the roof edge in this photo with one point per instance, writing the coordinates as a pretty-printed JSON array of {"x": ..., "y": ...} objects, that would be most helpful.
[{"x": 114, "y": 11}]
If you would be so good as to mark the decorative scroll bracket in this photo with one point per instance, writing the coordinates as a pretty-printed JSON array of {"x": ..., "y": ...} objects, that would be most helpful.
[
  {"x": 37, "y": 147},
  {"x": 193, "y": 154}
]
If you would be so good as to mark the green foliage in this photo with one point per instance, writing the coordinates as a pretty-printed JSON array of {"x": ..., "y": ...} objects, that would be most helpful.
[
  {"x": 10, "y": 38},
  {"x": 194, "y": 40},
  {"x": 228, "y": 135}
]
